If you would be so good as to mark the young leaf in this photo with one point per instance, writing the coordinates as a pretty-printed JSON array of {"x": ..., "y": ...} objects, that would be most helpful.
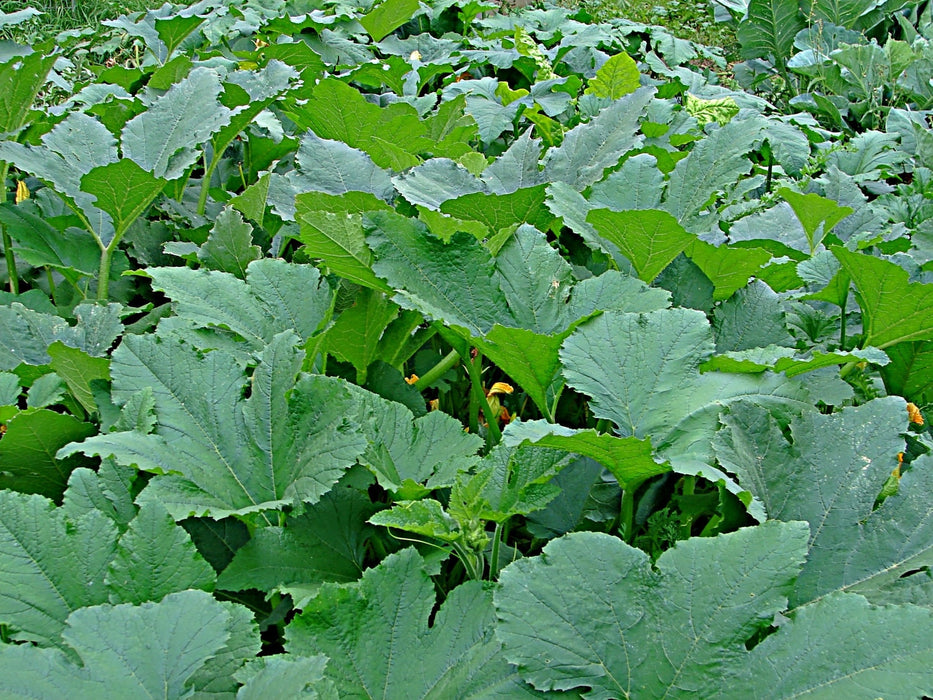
[
  {"x": 377, "y": 636},
  {"x": 229, "y": 247},
  {"x": 355, "y": 335},
  {"x": 814, "y": 210},
  {"x": 616, "y": 78},
  {"x": 592, "y": 611}
]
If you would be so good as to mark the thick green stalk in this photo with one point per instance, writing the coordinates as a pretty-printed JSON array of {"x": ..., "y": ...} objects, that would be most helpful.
[
  {"x": 7, "y": 241},
  {"x": 627, "y": 511},
  {"x": 437, "y": 371},
  {"x": 475, "y": 368}
]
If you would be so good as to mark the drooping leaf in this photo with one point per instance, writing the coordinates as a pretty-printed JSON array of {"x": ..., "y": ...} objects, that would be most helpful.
[
  {"x": 123, "y": 190},
  {"x": 769, "y": 29},
  {"x": 627, "y": 458},
  {"x": 373, "y": 646},
  {"x": 355, "y": 335},
  {"x": 910, "y": 372},
  {"x": 728, "y": 268},
  {"x": 217, "y": 453},
  {"x": 592, "y": 611},
  {"x": 818, "y": 215},
  {"x": 894, "y": 310},
  {"x": 78, "y": 370}
]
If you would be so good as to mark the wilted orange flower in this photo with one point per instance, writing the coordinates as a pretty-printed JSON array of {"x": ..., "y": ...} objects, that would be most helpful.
[{"x": 913, "y": 413}]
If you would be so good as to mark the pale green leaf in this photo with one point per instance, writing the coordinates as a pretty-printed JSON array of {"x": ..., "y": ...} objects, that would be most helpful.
[{"x": 616, "y": 78}]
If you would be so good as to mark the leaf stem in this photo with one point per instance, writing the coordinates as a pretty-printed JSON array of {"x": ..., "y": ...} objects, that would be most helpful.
[
  {"x": 627, "y": 511},
  {"x": 7, "y": 240},
  {"x": 494, "y": 557},
  {"x": 437, "y": 371},
  {"x": 842, "y": 322},
  {"x": 475, "y": 368}
]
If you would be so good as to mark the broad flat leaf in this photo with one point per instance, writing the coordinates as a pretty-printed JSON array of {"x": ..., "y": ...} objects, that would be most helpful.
[
  {"x": 830, "y": 476},
  {"x": 616, "y": 78},
  {"x": 392, "y": 135},
  {"x": 164, "y": 139},
  {"x": 377, "y": 637},
  {"x": 355, "y": 335},
  {"x": 327, "y": 166},
  {"x": 123, "y": 190},
  {"x": 229, "y": 246},
  {"x": 338, "y": 239},
  {"x": 769, "y": 29},
  {"x": 638, "y": 184},
  {"x": 27, "y": 451},
  {"x": 78, "y": 370},
  {"x": 155, "y": 557},
  {"x": 627, "y": 458},
  {"x": 894, "y": 310},
  {"x": 388, "y": 16},
  {"x": 910, "y": 372},
  {"x": 752, "y": 318},
  {"x": 649, "y": 238},
  {"x": 593, "y": 611},
  {"x": 842, "y": 647},
  {"x": 842, "y": 13},
  {"x": 705, "y": 111},
  {"x": 73, "y": 252},
  {"x": 515, "y": 169},
  {"x": 21, "y": 79},
  {"x": 729, "y": 269},
  {"x": 498, "y": 211},
  {"x": 716, "y": 162},
  {"x": 815, "y": 211},
  {"x": 453, "y": 282},
  {"x": 286, "y": 676},
  {"x": 148, "y": 651},
  {"x": 588, "y": 149},
  {"x": 412, "y": 456},
  {"x": 50, "y": 565},
  {"x": 276, "y": 296},
  {"x": 641, "y": 371},
  {"x": 327, "y": 542},
  {"x": 437, "y": 180},
  {"x": 218, "y": 454}
]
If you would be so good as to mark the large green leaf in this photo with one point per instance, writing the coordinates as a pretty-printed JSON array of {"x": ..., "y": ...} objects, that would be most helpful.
[
  {"x": 123, "y": 190},
  {"x": 616, "y": 78},
  {"x": 641, "y": 371},
  {"x": 752, "y": 318},
  {"x": 392, "y": 136},
  {"x": 588, "y": 149},
  {"x": 153, "y": 650},
  {"x": 155, "y": 557},
  {"x": 355, "y": 335},
  {"x": 626, "y": 458},
  {"x": 593, "y": 611},
  {"x": 275, "y": 296},
  {"x": 831, "y": 476},
  {"x": 164, "y": 139},
  {"x": 769, "y": 29},
  {"x": 218, "y": 454},
  {"x": 498, "y": 211},
  {"x": 894, "y": 310},
  {"x": 27, "y": 451},
  {"x": 328, "y": 542},
  {"x": 377, "y": 636},
  {"x": 388, "y": 16},
  {"x": 50, "y": 565},
  {"x": 910, "y": 372},
  {"x": 818, "y": 215},
  {"x": 21, "y": 79},
  {"x": 412, "y": 456},
  {"x": 649, "y": 238}
]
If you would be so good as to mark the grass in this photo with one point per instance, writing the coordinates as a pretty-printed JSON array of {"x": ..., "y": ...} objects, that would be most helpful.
[{"x": 61, "y": 15}]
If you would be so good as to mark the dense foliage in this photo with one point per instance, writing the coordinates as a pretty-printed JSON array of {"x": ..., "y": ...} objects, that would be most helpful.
[{"x": 412, "y": 350}]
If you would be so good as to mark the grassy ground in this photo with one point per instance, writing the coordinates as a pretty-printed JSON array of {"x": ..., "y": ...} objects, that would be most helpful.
[{"x": 61, "y": 15}]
